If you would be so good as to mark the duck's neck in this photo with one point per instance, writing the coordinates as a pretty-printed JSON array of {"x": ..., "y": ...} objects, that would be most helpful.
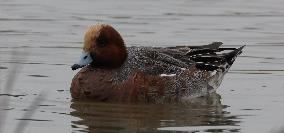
[{"x": 112, "y": 60}]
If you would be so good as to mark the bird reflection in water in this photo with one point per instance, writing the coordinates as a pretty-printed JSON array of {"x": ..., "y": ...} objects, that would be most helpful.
[{"x": 133, "y": 118}]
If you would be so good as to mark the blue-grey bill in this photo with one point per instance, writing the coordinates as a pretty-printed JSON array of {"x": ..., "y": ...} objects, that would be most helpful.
[{"x": 84, "y": 60}]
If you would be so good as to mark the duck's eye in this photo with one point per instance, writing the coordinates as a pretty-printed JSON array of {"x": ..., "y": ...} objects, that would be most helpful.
[
  {"x": 102, "y": 41},
  {"x": 85, "y": 57}
]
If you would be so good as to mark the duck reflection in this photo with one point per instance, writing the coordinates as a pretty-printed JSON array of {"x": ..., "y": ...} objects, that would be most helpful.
[{"x": 100, "y": 117}]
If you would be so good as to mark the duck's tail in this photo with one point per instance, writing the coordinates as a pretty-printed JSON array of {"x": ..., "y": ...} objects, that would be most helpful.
[{"x": 211, "y": 57}]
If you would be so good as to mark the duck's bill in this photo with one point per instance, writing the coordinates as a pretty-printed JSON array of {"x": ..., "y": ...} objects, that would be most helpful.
[{"x": 84, "y": 60}]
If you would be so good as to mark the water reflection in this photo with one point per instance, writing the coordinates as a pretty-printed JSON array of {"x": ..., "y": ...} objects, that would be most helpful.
[{"x": 114, "y": 117}]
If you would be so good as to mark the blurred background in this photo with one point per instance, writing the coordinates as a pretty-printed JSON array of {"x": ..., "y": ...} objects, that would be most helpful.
[{"x": 48, "y": 35}]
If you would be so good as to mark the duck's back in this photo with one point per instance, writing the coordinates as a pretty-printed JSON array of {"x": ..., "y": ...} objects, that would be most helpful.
[{"x": 158, "y": 74}]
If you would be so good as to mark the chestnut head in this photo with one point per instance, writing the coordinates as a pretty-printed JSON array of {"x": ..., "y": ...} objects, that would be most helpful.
[{"x": 103, "y": 48}]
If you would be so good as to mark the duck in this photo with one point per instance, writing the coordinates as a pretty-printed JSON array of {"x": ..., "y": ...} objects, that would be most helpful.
[{"x": 111, "y": 72}]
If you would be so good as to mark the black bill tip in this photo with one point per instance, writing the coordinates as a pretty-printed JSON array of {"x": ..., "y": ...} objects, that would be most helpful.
[{"x": 75, "y": 66}]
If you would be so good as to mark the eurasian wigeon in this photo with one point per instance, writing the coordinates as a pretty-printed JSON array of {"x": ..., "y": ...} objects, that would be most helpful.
[{"x": 113, "y": 72}]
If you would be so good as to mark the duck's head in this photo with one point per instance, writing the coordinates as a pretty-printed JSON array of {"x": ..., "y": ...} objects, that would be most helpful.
[{"x": 103, "y": 47}]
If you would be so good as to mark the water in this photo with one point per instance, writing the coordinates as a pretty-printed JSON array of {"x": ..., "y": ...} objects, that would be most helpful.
[{"x": 250, "y": 98}]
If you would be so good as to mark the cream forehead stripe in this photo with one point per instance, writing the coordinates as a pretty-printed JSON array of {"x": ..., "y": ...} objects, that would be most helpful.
[{"x": 92, "y": 33}]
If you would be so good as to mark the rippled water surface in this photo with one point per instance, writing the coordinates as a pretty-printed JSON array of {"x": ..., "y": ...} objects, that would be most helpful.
[{"x": 40, "y": 39}]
